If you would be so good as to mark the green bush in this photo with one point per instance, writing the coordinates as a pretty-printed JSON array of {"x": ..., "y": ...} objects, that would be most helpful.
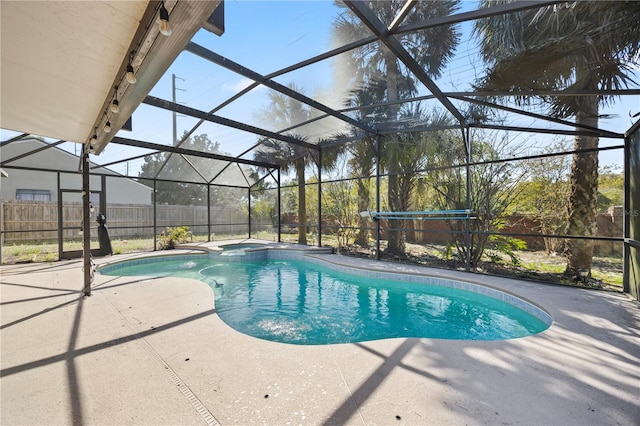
[
  {"x": 172, "y": 236},
  {"x": 506, "y": 245}
]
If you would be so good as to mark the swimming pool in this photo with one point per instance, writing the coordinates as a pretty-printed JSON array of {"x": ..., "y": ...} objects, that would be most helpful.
[{"x": 301, "y": 302}]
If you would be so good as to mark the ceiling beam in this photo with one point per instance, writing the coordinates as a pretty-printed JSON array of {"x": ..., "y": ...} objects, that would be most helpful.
[
  {"x": 124, "y": 160},
  {"x": 536, "y": 130},
  {"x": 408, "y": 6},
  {"x": 290, "y": 68},
  {"x": 456, "y": 18},
  {"x": 366, "y": 15},
  {"x": 603, "y": 133},
  {"x": 445, "y": 20},
  {"x": 184, "y": 151},
  {"x": 192, "y": 112},
  {"x": 15, "y": 138},
  {"x": 245, "y": 72}
]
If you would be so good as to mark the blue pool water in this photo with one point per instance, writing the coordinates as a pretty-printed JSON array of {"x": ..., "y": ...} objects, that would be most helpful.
[{"x": 298, "y": 302}]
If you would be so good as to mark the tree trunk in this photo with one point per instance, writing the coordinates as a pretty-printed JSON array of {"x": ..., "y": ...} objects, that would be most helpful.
[
  {"x": 362, "y": 237},
  {"x": 302, "y": 202},
  {"x": 395, "y": 236},
  {"x": 583, "y": 197}
]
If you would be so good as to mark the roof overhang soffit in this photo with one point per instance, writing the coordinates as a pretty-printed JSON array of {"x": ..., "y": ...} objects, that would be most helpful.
[{"x": 151, "y": 55}]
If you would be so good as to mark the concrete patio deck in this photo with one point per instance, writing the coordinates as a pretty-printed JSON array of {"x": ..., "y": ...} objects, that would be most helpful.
[{"x": 153, "y": 351}]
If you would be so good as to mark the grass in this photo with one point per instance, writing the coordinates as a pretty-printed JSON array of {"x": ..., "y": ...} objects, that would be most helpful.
[
  {"x": 606, "y": 272},
  {"x": 611, "y": 278},
  {"x": 20, "y": 253},
  {"x": 533, "y": 265},
  {"x": 48, "y": 251},
  {"x": 544, "y": 268}
]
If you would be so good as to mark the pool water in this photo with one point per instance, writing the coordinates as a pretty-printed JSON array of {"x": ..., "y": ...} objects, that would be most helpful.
[{"x": 294, "y": 301}]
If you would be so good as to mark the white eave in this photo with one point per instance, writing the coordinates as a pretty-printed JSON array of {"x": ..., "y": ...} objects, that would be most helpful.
[{"x": 61, "y": 61}]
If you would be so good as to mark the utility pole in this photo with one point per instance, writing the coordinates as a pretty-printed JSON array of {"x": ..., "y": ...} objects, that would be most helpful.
[{"x": 173, "y": 91}]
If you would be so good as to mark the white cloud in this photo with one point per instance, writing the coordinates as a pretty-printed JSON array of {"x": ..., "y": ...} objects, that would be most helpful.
[{"x": 242, "y": 84}]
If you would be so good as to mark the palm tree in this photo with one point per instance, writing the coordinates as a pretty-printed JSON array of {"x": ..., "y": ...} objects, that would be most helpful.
[
  {"x": 416, "y": 152},
  {"x": 361, "y": 163},
  {"x": 376, "y": 64},
  {"x": 583, "y": 45},
  {"x": 289, "y": 156},
  {"x": 363, "y": 151},
  {"x": 284, "y": 112},
  {"x": 281, "y": 113}
]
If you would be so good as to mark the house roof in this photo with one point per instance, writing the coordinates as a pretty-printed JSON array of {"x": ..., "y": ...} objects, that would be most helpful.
[{"x": 36, "y": 154}]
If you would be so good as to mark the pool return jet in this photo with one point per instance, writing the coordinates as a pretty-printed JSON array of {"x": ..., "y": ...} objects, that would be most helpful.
[{"x": 422, "y": 214}]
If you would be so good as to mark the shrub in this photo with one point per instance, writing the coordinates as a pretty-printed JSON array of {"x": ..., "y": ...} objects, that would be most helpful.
[{"x": 172, "y": 236}]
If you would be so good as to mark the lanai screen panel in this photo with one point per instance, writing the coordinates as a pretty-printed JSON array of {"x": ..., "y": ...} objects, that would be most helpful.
[{"x": 351, "y": 72}]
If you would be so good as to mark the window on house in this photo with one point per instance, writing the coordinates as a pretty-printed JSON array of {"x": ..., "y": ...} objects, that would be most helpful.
[{"x": 33, "y": 195}]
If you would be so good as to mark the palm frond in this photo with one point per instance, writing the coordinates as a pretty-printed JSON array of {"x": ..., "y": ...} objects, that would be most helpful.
[{"x": 570, "y": 46}]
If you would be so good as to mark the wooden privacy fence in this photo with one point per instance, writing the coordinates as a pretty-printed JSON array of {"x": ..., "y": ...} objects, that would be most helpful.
[
  {"x": 37, "y": 221},
  {"x": 609, "y": 225}
]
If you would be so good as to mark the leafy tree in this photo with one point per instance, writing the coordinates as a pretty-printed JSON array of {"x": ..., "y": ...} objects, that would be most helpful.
[
  {"x": 264, "y": 212},
  {"x": 581, "y": 45},
  {"x": 374, "y": 64},
  {"x": 611, "y": 188},
  {"x": 342, "y": 210},
  {"x": 333, "y": 160},
  {"x": 493, "y": 189},
  {"x": 544, "y": 195},
  {"x": 283, "y": 112},
  {"x": 411, "y": 154},
  {"x": 339, "y": 201},
  {"x": 290, "y": 196},
  {"x": 289, "y": 156},
  {"x": 174, "y": 167}
]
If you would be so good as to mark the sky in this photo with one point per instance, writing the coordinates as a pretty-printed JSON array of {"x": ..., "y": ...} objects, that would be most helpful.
[{"x": 267, "y": 36}]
